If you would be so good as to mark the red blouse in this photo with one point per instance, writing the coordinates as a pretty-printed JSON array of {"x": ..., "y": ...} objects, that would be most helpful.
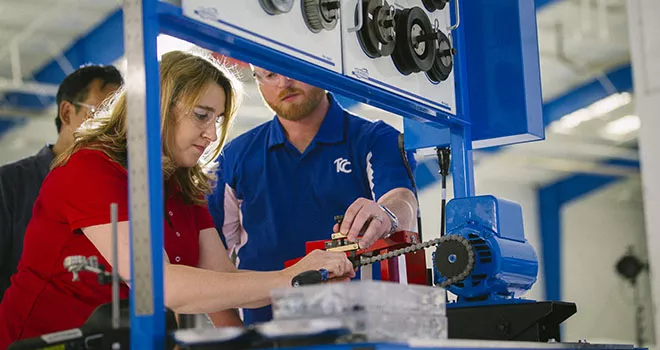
[{"x": 42, "y": 297}]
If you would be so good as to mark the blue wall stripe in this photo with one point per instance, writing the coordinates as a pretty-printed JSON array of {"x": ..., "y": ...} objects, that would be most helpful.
[
  {"x": 550, "y": 225},
  {"x": 623, "y": 162},
  {"x": 7, "y": 122},
  {"x": 551, "y": 199}
]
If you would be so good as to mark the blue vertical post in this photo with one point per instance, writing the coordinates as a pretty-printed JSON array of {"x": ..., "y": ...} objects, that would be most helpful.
[
  {"x": 145, "y": 175},
  {"x": 462, "y": 168}
]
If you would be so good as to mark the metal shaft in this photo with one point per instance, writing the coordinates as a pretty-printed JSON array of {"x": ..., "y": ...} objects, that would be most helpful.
[{"x": 115, "y": 267}]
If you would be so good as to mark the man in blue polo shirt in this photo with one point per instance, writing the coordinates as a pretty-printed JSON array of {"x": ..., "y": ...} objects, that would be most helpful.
[{"x": 281, "y": 183}]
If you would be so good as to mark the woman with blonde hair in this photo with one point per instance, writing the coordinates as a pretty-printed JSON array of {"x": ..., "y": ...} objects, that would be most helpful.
[{"x": 198, "y": 100}]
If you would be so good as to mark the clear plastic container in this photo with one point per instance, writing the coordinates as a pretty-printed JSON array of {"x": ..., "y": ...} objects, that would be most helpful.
[{"x": 376, "y": 310}]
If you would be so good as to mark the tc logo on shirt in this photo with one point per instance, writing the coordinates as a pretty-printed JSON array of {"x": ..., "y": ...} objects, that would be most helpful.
[{"x": 343, "y": 165}]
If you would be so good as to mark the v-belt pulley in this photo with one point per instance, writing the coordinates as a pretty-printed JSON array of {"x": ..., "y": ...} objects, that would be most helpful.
[
  {"x": 377, "y": 35},
  {"x": 415, "y": 41}
]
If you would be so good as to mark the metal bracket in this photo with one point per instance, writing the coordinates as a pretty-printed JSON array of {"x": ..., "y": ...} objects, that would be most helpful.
[
  {"x": 360, "y": 20},
  {"x": 458, "y": 17}
]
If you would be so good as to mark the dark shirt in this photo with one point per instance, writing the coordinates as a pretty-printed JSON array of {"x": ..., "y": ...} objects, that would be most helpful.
[{"x": 19, "y": 186}]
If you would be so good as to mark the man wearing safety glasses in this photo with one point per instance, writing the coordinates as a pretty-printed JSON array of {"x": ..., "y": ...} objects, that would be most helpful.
[
  {"x": 78, "y": 97},
  {"x": 281, "y": 183}
]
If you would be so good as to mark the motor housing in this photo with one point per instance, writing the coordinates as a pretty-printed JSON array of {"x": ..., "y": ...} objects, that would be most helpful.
[{"x": 504, "y": 264}]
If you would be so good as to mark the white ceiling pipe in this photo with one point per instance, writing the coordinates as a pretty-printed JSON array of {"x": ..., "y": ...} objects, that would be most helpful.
[{"x": 28, "y": 87}]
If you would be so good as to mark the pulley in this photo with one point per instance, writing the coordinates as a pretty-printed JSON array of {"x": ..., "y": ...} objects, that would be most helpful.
[
  {"x": 444, "y": 60},
  {"x": 415, "y": 41},
  {"x": 432, "y": 5},
  {"x": 377, "y": 34},
  {"x": 276, "y": 7},
  {"x": 320, "y": 14}
]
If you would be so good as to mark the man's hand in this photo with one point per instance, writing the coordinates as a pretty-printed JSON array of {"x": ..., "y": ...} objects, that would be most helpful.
[{"x": 365, "y": 215}]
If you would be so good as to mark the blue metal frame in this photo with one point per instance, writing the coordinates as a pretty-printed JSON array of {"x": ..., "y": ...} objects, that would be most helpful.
[
  {"x": 543, "y": 3},
  {"x": 462, "y": 168},
  {"x": 172, "y": 22},
  {"x": 148, "y": 331},
  {"x": 502, "y": 59}
]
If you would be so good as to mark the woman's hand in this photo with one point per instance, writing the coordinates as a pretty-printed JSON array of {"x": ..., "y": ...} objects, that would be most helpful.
[{"x": 336, "y": 263}]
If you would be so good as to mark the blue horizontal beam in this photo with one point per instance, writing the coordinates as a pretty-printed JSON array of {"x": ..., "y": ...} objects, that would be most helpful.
[
  {"x": 543, "y": 3},
  {"x": 173, "y": 22},
  {"x": 588, "y": 93},
  {"x": 104, "y": 44},
  {"x": 7, "y": 122}
]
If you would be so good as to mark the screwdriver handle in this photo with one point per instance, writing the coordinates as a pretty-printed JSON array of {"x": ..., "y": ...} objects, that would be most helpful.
[{"x": 310, "y": 277}]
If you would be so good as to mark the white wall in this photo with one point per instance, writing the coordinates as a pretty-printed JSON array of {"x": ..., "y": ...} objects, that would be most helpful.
[
  {"x": 27, "y": 139},
  {"x": 596, "y": 231},
  {"x": 645, "y": 50}
]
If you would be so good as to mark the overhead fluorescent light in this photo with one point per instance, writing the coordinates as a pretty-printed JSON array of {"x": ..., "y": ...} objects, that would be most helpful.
[
  {"x": 622, "y": 126},
  {"x": 609, "y": 104},
  {"x": 572, "y": 120},
  {"x": 597, "y": 109}
]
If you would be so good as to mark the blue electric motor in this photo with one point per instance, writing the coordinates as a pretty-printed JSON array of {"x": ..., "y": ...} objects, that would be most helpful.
[{"x": 485, "y": 256}]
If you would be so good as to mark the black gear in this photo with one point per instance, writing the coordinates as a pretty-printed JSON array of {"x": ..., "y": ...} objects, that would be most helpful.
[{"x": 454, "y": 259}]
